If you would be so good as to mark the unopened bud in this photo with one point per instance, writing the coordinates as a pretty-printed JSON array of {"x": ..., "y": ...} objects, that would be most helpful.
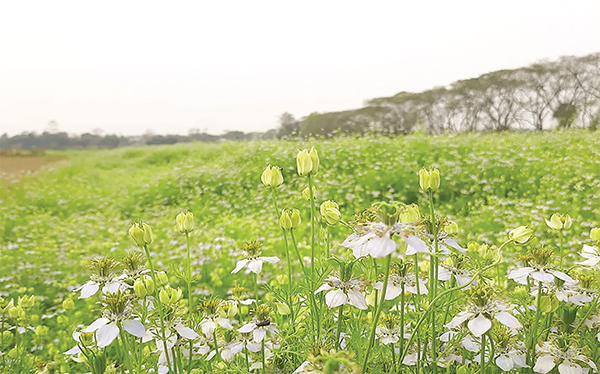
[
  {"x": 306, "y": 193},
  {"x": 283, "y": 309},
  {"x": 314, "y": 157},
  {"x": 68, "y": 304},
  {"x": 140, "y": 289},
  {"x": 185, "y": 222},
  {"x": 161, "y": 278},
  {"x": 16, "y": 312},
  {"x": 285, "y": 221},
  {"x": 520, "y": 235},
  {"x": 272, "y": 177},
  {"x": 330, "y": 212},
  {"x": 451, "y": 228},
  {"x": 595, "y": 234},
  {"x": 410, "y": 213},
  {"x": 304, "y": 163},
  {"x": 296, "y": 219},
  {"x": 429, "y": 180}
]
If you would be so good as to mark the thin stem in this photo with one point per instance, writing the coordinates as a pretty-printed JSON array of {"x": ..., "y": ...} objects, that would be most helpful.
[
  {"x": 264, "y": 367},
  {"x": 160, "y": 306},
  {"x": 312, "y": 226},
  {"x": 216, "y": 344},
  {"x": 378, "y": 311},
  {"x": 393, "y": 357},
  {"x": 189, "y": 286},
  {"x": 255, "y": 288},
  {"x": 402, "y": 318},
  {"x": 482, "y": 371},
  {"x": 433, "y": 279},
  {"x": 587, "y": 313},
  {"x": 339, "y": 329},
  {"x": 562, "y": 239},
  {"x": 533, "y": 337}
]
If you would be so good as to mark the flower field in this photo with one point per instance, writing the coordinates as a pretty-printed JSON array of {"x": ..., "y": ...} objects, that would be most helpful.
[{"x": 418, "y": 254}]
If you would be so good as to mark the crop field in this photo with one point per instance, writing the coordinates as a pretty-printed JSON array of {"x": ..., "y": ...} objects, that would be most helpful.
[{"x": 127, "y": 260}]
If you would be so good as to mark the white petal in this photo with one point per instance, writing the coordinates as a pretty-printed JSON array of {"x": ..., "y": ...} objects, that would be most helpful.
[
  {"x": 410, "y": 360},
  {"x": 335, "y": 298},
  {"x": 543, "y": 277},
  {"x": 134, "y": 327},
  {"x": 544, "y": 364},
  {"x": 391, "y": 293},
  {"x": 505, "y": 363},
  {"x": 458, "y": 320},
  {"x": 357, "y": 299},
  {"x": 208, "y": 327},
  {"x": 452, "y": 243},
  {"x": 259, "y": 334},
  {"x": 247, "y": 327},
  {"x": 324, "y": 287},
  {"x": 255, "y": 266},
  {"x": 470, "y": 345},
  {"x": 508, "y": 320},
  {"x": 519, "y": 360},
  {"x": 186, "y": 332},
  {"x": 479, "y": 325},
  {"x": 379, "y": 247},
  {"x": 89, "y": 289},
  {"x": 416, "y": 244},
  {"x": 560, "y": 275},
  {"x": 73, "y": 351},
  {"x": 253, "y": 347},
  {"x": 106, "y": 334},
  {"x": 444, "y": 274},
  {"x": 519, "y": 273},
  {"x": 270, "y": 260},
  {"x": 240, "y": 265},
  {"x": 224, "y": 323},
  {"x": 96, "y": 324},
  {"x": 567, "y": 367}
]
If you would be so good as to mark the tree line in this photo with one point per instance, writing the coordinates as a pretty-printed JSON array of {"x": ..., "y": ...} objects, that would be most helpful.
[{"x": 551, "y": 94}]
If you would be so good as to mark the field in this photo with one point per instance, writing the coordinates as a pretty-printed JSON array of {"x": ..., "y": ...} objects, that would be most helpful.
[{"x": 54, "y": 223}]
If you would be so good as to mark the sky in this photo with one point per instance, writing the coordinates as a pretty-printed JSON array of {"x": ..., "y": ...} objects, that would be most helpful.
[{"x": 129, "y": 67}]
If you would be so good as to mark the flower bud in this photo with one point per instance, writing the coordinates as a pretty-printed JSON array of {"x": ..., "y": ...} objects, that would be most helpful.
[
  {"x": 161, "y": 278},
  {"x": 306, "y": 193},
  {"x": 148, "y": 235},
  {"x": 330, "y": 212},
  {"x": 68, "y": 304},
  {"x": 520, "y": 235},
  {"x": 272, "y": 177},
  {"x": 285, "y": 221},
  {"x": 41, "y": 330},
  {"x": 304, "y": 163},
  {"x": 140, "y": 289},
  {"x": 410, "y": 213},
  {"x": 567, "y": 222},
  {"x": 26, "y": 301},
  {"x": 232, "y": 311},
  {"x": 149, "y": 285},
  {"x": 141, "y": 233},
  {"x": 164, "y": 296},
  {"x": 595, "y": 234},
  {"x": 451, "y": 228},
  {"x": 429, "y": 180},
  {"x": 185, "y": 222},
  {"x": 283, "y": 309},
  {"x": 16, "y": 312},
  {"x": 7, "y": 337},
  {"x": 555, "y": 222},
  {"x": 314, "y": 157},
  {"x": 296, "y": 219}
]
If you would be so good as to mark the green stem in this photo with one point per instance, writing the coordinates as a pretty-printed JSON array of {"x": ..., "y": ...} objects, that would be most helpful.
[
  {"x": 393, "y": 357},
  {"x": 433, "y": 278},
  {"x": 378, "y": 311},
  {"x": 312, "y": 226},
  {"x": 339, "y": 329},
  {"x": 255, "y": 287},
  {"x": 264, "y": 367},
  {"x": 216, "y": 344},
  {"x": 482, "y": 371},
  {"x": 160, "y": 306},
  {"x": 402, "y": 319},
  {"x": 189, "y": 286},
  {"x": 562, "y": 239},
  {"x": 587, "y": 313},
  {"x": 533, "y": 337}
]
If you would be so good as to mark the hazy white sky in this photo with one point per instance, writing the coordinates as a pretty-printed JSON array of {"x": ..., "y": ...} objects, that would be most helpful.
[{"x": 129, "y": 66}]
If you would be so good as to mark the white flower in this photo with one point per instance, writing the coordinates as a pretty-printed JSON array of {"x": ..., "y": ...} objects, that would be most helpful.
[
  {"x": 591, "y": 255},
  {"x": 446, "y": 272},
  {"x": 106, "y": 331},
  {"x": 373, "y": 239},
  {"x": 395, "y": 282},
  {"x": 479, "y": 323},
  {"x": 254, "y": 264},
  {"x": 92, "y": 287},
  {"x": 341, "y": 293},
  {"x": 568, "y": 361},
  {"x": 539, "y": 274},
  {"x": 569, "y": 292},
  {"x": 209, "y": 324},
  {"x": 258, "y": 329}
]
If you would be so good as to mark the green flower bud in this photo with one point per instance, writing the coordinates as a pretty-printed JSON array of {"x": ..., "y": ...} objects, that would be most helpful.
[
  {"x": 161, "y": 278},
  {"x": 272, "y": 177},
  {"x": 140, "y": 289},
  {"x": 148, "y": 235},
  {"x": 314, "y": 157},
  {"x": 7, "y": 337},
  {"x": 141, "y": 233},
  {"x": 68, "y": 304},
  {"x": 185, "y": 222},
  {"x": 232, "y": 311},
  {"x": 559, "y": 222},
  {"x": 16, "y": 312},
  {"x": 304, "y": 163},
  {"x": 41, "y": 330},
  {"x": 451, "y": 228},
  {"x": 330, "y": 212},
  {"x": 283, "y": 309},
  {"x": 164, "y": 296},
  {"x": 296, "y": 219},
  {"x": 595, "y": 234},
  {"x": 567, "y": 222},
  {"x": 26, "y": 301},
  {"x": 410, "y": 213},
  {"x": 429, "y": 180},
  {"x": 306, "y": 193},
  {"x": 149, "y": 284},
  {"x": 285, "y": 221},
  {"x": 520, "y": 235}
]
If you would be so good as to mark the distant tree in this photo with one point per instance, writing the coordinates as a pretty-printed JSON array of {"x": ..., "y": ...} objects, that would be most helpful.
[
  {"x": 288, "y": 125},
  {"x": 565, "y": 114}
]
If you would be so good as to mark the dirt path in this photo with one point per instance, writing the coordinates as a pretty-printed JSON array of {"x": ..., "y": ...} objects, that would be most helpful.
[{"x": 13, "y": 166}]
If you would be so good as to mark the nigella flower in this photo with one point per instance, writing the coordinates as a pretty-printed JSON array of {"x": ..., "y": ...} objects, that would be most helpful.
[
  {"x": 213, "y": 314},
  {"x": 400, "y": 275},
  {"x": 117, "y": 312},
  {"x": 343, "y": 292},
  {"x": 565, "y": 291},
  {"x": 102, "y": 278},
  {"x": 482, "y": 311},
  {"x": 260, "y": 325},
  {"x": 253, "y": 262},
  {"x": 592, "y": 323},
  {"x": 244, "y": 341},
  {"x": 591, "y": 255},
  {"x": 389, "y": 332},
  {"x": 568, "y": 360},
  {"x": 510, "y": 351},
  {"x": 372, "y": 239},
  {"x": 467, "y": 341},
  {"x": 454, "y": 267},
  {"x": 538, "y": 268}
]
